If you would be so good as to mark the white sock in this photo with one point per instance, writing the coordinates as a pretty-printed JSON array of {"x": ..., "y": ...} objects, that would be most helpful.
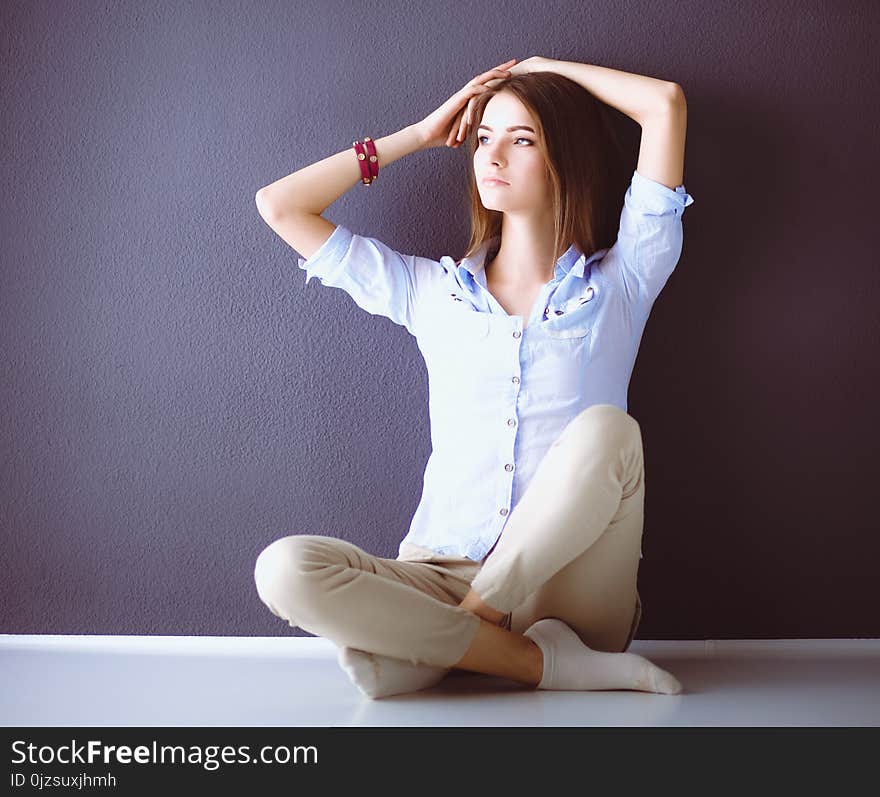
[
  {"x": 379, "y": 676},
  {"x": 570, "y": 664}
]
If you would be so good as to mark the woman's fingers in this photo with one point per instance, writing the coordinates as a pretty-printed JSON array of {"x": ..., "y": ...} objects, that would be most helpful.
[
  {"x": 463, "y": 120},
  {"x": 451, "y": 138},
  {"x": 502, "y": 67},
  {"x": 491, "y": 72},
  {"x": 466, "y": 119},
  {"x": 480, "y": 79},
  {"x": 477, "y": 86}
]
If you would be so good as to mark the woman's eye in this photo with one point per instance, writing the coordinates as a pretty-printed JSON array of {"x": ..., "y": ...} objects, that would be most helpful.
[{"x": 521, "y": 138}]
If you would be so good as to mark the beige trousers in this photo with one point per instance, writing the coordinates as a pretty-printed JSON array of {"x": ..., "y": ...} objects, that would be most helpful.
[{"x": 570, "y": 550}]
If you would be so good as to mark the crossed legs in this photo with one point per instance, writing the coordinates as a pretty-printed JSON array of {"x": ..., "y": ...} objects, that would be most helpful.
[{"x": 569, "y": 551}]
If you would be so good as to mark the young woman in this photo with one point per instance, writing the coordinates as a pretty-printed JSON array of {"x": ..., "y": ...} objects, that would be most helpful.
[{"x": 522, "y": 557}]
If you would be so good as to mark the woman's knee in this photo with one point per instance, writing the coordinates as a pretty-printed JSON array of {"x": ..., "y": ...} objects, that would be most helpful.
[
  {"x": 285, "y": 565},
  {"x": 608, "y": 425}
]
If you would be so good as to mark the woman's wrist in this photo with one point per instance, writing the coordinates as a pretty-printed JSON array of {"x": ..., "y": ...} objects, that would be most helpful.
[
  {"x": 397, "y": 145},
  {"x": 416, "y": 129},
  {"x": 534, "y": 63}
]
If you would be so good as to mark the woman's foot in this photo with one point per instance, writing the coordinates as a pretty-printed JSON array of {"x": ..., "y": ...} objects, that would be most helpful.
[
  {"x": 570, "y": 664},
  {"x": 380, "y": 676}
]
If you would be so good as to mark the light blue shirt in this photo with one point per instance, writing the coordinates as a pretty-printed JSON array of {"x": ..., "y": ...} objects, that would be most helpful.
[{"x": 499, "y": 395}]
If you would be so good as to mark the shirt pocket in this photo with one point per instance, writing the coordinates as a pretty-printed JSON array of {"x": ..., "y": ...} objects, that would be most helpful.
[{"x": 575, "y": 318}]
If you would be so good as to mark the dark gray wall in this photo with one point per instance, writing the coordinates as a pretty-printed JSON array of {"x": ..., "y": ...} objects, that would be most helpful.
[{"x": 173, "y": 398}]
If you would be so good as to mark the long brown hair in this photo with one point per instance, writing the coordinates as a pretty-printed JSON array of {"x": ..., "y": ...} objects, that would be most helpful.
[{"x": 586, "y": 166}]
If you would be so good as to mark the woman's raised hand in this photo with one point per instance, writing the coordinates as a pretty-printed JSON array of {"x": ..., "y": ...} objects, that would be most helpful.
[{"x": 442, "y": 127}]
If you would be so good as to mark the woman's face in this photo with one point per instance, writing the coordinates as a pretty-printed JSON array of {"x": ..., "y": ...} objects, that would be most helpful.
[{"x": 514, "y": 156}]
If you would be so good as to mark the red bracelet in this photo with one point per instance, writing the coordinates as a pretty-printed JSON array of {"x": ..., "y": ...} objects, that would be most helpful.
[
  {"x": 374, "y": 158},
  {"x": 367, "y": 160},
  {"x": 366, "y": 179}
]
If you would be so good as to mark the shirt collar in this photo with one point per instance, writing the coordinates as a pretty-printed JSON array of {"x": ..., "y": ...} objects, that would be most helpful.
[{"x": 571, "y": 261}]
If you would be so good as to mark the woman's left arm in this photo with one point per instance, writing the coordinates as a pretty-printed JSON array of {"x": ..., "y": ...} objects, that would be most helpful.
[
  {"x": 658, "y": 106},
  {"x": 637, "y": 96}
]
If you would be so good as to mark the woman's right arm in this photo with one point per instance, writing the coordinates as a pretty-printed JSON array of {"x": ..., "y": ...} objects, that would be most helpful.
[{"x": 292, "y": 206}]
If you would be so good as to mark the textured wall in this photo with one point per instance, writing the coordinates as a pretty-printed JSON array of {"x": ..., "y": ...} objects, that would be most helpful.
[{"x": 173, "y": 398}]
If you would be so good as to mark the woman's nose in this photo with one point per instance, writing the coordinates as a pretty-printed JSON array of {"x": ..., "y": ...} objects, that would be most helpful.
[{"x": 495, "y": 158}]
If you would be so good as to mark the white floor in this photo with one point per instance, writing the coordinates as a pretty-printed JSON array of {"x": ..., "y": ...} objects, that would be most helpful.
[{"x": 296, "y": 681}]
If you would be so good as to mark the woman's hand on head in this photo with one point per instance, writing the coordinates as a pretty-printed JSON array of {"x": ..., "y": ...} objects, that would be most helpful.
[
  {"x": 465, "y": 118},
  {"x": 443, "y": 125}
]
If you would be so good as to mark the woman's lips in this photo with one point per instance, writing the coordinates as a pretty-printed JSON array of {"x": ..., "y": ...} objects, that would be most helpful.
[{"x": 493, "y": 181}]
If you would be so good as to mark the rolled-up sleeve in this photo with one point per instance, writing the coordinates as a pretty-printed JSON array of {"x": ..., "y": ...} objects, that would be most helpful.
[
  {"x": 649, "y": 240},
  {"x": 379, "y": 279}
]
